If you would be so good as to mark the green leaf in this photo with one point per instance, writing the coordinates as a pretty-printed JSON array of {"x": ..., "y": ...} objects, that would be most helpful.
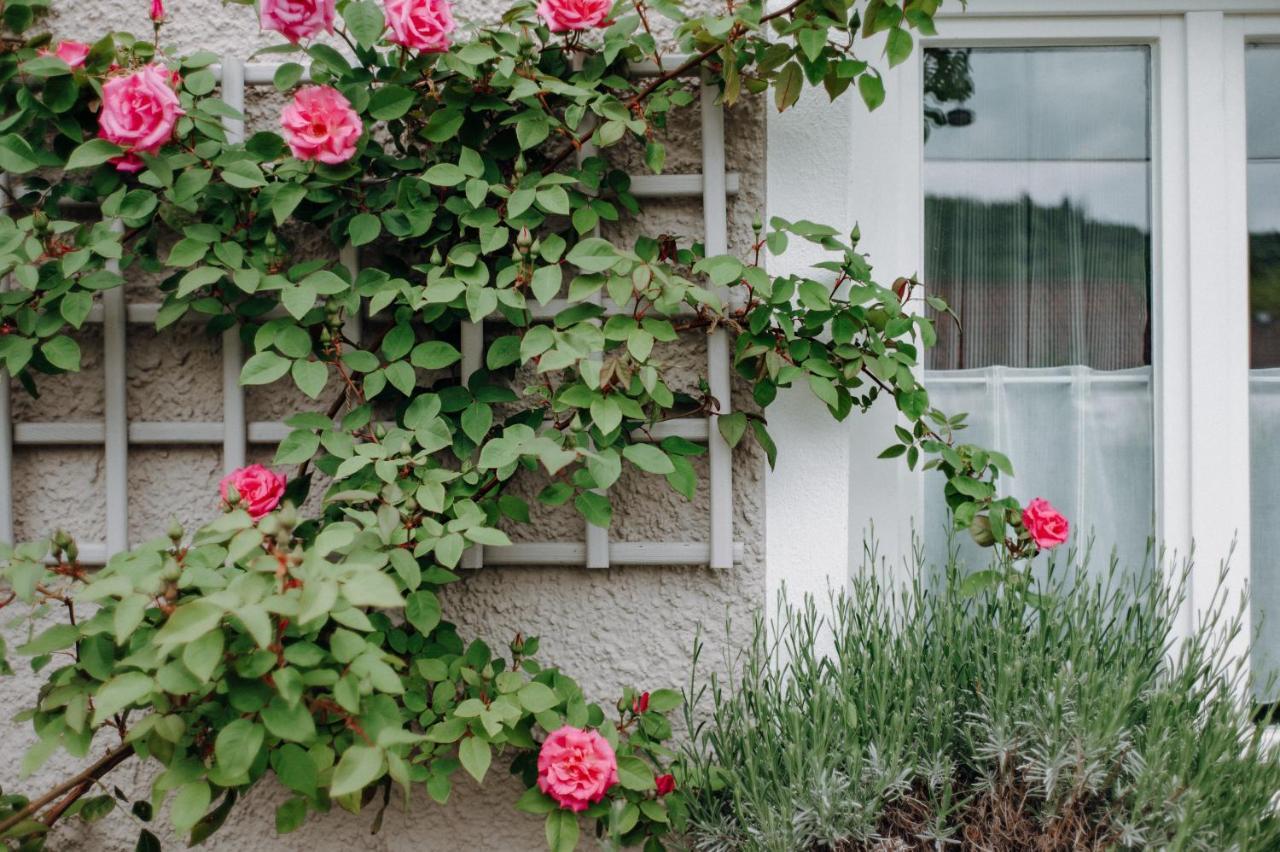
[
  {"x": 289, "y": 723},
  {"x": 665, "y": 700},
  {"x": 290, "y": 815},
  {"x": 534, "y": 801},
  {"x": 732, "y": 427},
  {"x": 189, "y": 805},
  {"x": 537, "y": 697},
  {"x": 95, "y": 152},
  {"x": 244, "y": 174},
  {"x": 359, "y": 767},
  {"x": 16, "y": 156},
  {"x": 606, "y": 413},
  {"x": 364, "y": 229},
  {"x": 62, "y": 352},
  {"x": 434, "y": 355},
  {"x": 635, "y": 774},
  {"x": 264, "y": 368},
  {"x": 284, "y": 201},
  {"x": 476, "y": 420},
  {"x": 871, "y": 87},
  {"x": 118, "y": 693},
  {"x": 237, "y": 745},
  {"x": 186, "y": 252},
  {"x": 287, "y": 76},
  {"x": 196, "y": 278},
  {"x": 980, "y": 581},
  {"x": 475, "y": 755},
  {"x": 202, "y": 656},
  {"x": 390, "y": 102},
  {"x": 295, "y": 769},
  {"x": 444, "y": 174},
  {"x": 54, "y": 639},
  {"x": 310, "y": 376},
  {"x": 365, "y": 21},
  {"x": 503, "y": 352},
  {"x": 812, "y": 41},
  {"x": 898, "y": 46},
  {"x": 786, "y": 88},
  {"x": 190, "y": 621},
  {"x": 546, "y": 283},
  {"x": 648, "y": 458},
  {"x": 562, "y": 831},
  {"x": 593, "y": 254},
  {"x": 595, "y": 508},
  {"x": 422, "y": 610}
]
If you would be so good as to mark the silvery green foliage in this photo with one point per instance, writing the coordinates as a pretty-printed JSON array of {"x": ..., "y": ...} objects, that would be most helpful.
[{"x": 1060, "y": 713}]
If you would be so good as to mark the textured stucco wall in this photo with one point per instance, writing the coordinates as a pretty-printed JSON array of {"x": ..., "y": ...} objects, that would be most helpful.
[{"x": 610, "y": 628}]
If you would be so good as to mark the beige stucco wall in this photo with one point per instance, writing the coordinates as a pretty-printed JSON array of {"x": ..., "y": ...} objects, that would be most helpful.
[{"x": 612, "y": 628}]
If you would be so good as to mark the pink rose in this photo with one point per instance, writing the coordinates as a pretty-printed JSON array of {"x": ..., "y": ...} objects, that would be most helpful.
[
  {"x": 73, "y": 53},
  {"x": 260, "y": 489},
  {"x": 139, "y": 111},
  {"x": 576, "y": 767},
  {"x": 297, "y": 19},
  {"x": 157, "y": 10},
  {"x": 420, "y": 24},
  {"x": 321, "y": 125},
  {"x": 564, "y": 15},
  {"x": 1045, "y": 524}
]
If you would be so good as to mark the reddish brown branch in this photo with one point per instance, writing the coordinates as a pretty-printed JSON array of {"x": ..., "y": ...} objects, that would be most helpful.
[{"x": 73, "y": 788}]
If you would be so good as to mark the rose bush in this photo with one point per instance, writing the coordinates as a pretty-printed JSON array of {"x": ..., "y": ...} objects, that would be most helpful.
[{"x": 313, "y": 647}]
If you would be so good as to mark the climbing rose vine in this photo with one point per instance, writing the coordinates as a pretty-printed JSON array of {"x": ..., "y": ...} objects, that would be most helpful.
[{"x": 473, "y": 160}]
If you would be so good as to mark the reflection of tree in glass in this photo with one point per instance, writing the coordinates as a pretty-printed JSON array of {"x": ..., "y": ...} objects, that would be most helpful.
[
  {"x": 947, "y": 79},
  {"x": 1264, "y": 298}
]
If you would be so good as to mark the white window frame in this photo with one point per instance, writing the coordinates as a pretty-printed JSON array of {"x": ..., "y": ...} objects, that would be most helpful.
[{"x": 1199, "y": 288}]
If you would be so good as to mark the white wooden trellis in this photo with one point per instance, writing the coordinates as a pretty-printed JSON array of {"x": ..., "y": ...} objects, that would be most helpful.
[{"x": 234, "y": 433}]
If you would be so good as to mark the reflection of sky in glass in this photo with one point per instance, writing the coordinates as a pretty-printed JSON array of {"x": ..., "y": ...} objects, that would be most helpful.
[
  {"x": 1053, "y": 124},
  {"x": 1262, "y": 73},
  {"x": 1051, "y": 104},
  {"x": 1107, "y": 191}
]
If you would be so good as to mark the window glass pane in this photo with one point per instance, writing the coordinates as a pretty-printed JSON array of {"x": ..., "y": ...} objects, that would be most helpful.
[
  {"x": 1037, "y": 180},
  {"x": 1262, "y": 70}
]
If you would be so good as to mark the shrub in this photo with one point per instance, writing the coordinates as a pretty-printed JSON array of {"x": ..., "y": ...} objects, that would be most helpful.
[{"x": 1057, "y": 714}]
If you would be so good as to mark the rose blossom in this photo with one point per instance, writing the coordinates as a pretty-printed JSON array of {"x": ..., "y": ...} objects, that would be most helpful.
[
  {"x": 139, "y": 111},
  {"x": 260, "y": 489},
  {"x": 297, "y": 19},
  {"x": 73, "y": 53},
  {"x": 666, "y": 784},
  {"x": 321, "y": 125},
  {"x": 157, "y": 10},
  {"x": 1045, "y": 524},
  {"x": 564, "y": 15},
  {"x": 420, "y": 24},
  {"x": 576, "y": 767}
]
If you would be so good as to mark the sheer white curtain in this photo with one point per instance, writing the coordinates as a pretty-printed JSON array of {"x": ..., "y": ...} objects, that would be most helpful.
[
  {"x": 1078, "y": 437},
  {"x": 1037, "y": 234}
]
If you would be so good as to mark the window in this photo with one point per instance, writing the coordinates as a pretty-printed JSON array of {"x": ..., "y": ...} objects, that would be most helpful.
[
  {"x": 1262, "y": 99},
  {"x": 1037, "y": 188}
]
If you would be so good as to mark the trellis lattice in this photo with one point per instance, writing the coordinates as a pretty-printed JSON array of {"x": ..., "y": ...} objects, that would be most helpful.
[{"x": 235, "y": 433}]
